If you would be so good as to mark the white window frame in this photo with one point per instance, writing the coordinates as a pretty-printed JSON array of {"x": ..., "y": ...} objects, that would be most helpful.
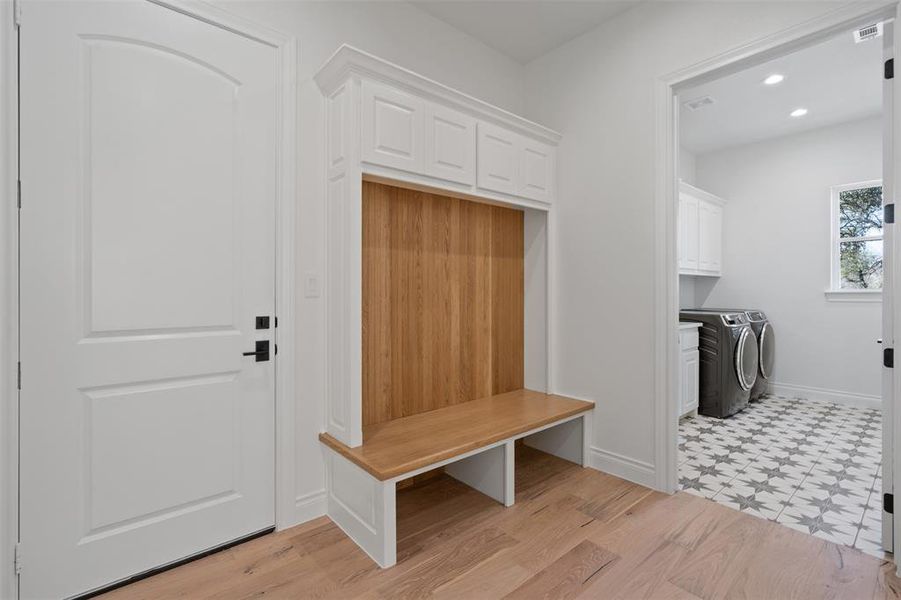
[{"x": 835, "y": 291}]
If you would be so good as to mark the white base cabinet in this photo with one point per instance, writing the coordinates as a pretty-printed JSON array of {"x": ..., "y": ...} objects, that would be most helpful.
[
  {"x": 700, "y": 232},
  {"x": 689, "y": 369}
]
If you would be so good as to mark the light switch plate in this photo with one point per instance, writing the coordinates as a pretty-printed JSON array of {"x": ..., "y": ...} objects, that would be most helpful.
[{"x": 311, "y": 285}]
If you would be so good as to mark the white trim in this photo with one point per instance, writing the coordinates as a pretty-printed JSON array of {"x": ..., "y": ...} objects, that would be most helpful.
[
  {"x": 348, "y": 60},
  {"x": 666, "y": 279},
  {"x": 696, "y": 192},
  {"x": 630, "y": 469},
  {"x": 835, "y": 241},
  {"x": 9, "y": 308},
  {"x": 801, "y": 392},
  {"x": 310, "y": 506},
  {"x": 852, "y": 295},
  {"x": 464, "y": 191}
]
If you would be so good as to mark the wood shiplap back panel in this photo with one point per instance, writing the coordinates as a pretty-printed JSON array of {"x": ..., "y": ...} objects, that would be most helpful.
[{"x": 442, "y": 301}]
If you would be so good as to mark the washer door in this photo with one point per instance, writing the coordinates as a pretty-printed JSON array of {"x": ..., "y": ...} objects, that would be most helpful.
[
  {"x": 767, "y": 346},
  {"x": 746, "y": 359}
]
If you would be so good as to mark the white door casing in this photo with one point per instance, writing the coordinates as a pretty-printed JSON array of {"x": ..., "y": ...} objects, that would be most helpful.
[
  {"x": 888, "y": 290},
  {"x": 146, "y": 435}
]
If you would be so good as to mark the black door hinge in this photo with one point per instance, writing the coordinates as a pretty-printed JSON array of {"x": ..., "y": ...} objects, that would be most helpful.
[
  {"x": 888, "y": 503},
  {"x": 888, "y": 213},
  {"x": 19, "y": 194},
  {"x": 276, "y": 321},
  {"x": 888, "y": 357},
  {"x": 890, "y": 68},
  {"x": 18, "y": 375}
]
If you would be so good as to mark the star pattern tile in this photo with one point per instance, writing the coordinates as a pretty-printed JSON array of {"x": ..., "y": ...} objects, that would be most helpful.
[{"x": 812, "y": 466}]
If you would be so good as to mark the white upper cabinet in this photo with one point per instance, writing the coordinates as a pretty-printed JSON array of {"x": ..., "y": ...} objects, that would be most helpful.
[
  {"x": 514, "y": 164},
  {"x": 450, "y": 141},
  {"x": 710, "y": 241},
  {"x": 537, "y": 170},
  {"x": 392, "y": 127},
  {"x": 688, "y": 233},
  {"x": 387, "y": 123},
  {"x": 700, "y": 232},
  {"x": 498, "y": 153}
]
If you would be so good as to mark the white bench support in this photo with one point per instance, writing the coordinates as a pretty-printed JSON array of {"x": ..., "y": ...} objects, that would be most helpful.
[
  {"x": 569, "y": 440},
  {"x": 490, "y": 472},
  {"x": 365, "y": 508}
]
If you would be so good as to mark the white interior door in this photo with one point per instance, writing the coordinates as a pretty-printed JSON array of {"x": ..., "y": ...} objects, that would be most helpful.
[{"x": 147, "y": 250}]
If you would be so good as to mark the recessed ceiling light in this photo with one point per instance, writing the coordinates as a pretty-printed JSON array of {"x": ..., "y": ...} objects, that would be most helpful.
[
  {"x": 774, "y": 79},
  {"x": 799, "y": 112}
]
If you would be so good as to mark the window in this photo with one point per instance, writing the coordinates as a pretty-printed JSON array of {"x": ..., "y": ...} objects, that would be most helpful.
[{"x": 857, "y": 237}]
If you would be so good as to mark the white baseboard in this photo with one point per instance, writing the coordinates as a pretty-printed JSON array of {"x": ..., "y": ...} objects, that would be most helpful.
[
  {"x": 310, "y": 506},
  {"x": 824, "y": 395},
  {"x": 636, "y": 471}
]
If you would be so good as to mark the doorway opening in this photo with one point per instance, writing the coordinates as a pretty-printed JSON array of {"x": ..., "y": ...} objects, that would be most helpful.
[{"x": 780, "y": 188}]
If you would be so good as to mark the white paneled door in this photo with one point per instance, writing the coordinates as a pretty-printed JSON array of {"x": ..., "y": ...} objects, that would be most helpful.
[{"x": 148, "y": 152}]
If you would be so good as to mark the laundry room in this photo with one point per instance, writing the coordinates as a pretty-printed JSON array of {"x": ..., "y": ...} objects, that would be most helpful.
[{"x": 780, "y": 254}]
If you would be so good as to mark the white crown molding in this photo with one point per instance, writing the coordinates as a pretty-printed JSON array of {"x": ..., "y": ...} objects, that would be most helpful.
[
  {"x": 691, "y": 190},
  {"x": 348, "y": 61}
]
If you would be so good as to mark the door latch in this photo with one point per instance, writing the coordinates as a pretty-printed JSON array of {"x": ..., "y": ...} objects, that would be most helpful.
[{"x": 262, "y": 351}]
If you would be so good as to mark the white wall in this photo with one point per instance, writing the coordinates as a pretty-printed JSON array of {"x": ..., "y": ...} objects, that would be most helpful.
[
  {"x": 598, "y": 91},
  {"x": 776, "y": 232},
  {"x": 413, "y": 39},
  {"x": 688, "y": 166}
]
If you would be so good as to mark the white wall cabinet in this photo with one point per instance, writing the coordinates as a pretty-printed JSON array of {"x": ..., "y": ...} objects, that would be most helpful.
[
  {"x": 689, "y": 370},
  {"x": 700, "y": 232},
  {"x": 388, "y": 124},
  {"x": 537, "y": 169},
  {"x": 431, "y": 137},
  {"x": 688, "y": 233},
  {"x": 497, "y": 152},
  {"x": 514, "y": 164},
  {"x": 392, "y": 127},
  {"x": 450, "y": 137}
]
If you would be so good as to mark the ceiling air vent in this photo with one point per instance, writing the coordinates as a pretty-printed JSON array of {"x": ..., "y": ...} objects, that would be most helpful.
[
  {"x": 699, "y": 103},
  {"x": 868, "y": 33}
]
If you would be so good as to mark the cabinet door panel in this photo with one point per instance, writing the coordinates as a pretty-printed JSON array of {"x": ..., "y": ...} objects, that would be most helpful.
[
  {"x": 710, "y": 222},
  {"x": 392, "y": 127},
  {"x": 450, "y": 145},
  {"x": 497, "y": 159},
  {"x": 688, "y": 233},
  {"x": 689, "y": 381},
  {"x": 537, "y": 163}
]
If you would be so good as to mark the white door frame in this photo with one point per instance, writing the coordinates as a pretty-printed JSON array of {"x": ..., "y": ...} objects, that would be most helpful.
[
  {"x": 286, "y": 119},
  {"x": 666, "y": 278}
]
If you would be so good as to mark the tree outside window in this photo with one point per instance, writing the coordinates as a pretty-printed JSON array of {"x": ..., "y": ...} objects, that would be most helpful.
[{"x": 857, "y": 236}]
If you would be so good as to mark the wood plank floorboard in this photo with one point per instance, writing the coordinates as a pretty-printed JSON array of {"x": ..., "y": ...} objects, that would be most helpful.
[{"x": 573, "y": 533}]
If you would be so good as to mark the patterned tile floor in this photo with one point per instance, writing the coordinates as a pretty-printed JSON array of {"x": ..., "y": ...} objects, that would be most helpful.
[{"x": 812, "y": 466}]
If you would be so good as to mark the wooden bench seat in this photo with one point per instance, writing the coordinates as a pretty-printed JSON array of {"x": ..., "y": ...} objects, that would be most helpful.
[
  {"x": 473, "y": 441},
  {"x": 397, "y": 447}
]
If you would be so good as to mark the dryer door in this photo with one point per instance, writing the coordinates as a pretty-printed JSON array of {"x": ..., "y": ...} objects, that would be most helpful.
[
  {"x": 746, "y": 359},
  {"x": 767, "y": 345}
]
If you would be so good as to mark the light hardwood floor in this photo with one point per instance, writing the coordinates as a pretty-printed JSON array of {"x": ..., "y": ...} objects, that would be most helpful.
[{"x": 573, "y": 533}]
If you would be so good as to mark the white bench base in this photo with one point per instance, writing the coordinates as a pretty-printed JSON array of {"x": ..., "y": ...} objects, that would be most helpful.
[{"x": 365, "y": 508}]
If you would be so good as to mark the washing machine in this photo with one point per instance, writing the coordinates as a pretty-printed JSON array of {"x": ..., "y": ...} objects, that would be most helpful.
[
  {"x": 766, "y": 346},
  {"x": 729, "y": 360}
]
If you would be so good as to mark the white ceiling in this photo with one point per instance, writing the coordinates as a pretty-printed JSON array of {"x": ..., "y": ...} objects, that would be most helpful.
[
  {"x": 836, "y": 81},
  {"x": 524, "y": 30}
]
